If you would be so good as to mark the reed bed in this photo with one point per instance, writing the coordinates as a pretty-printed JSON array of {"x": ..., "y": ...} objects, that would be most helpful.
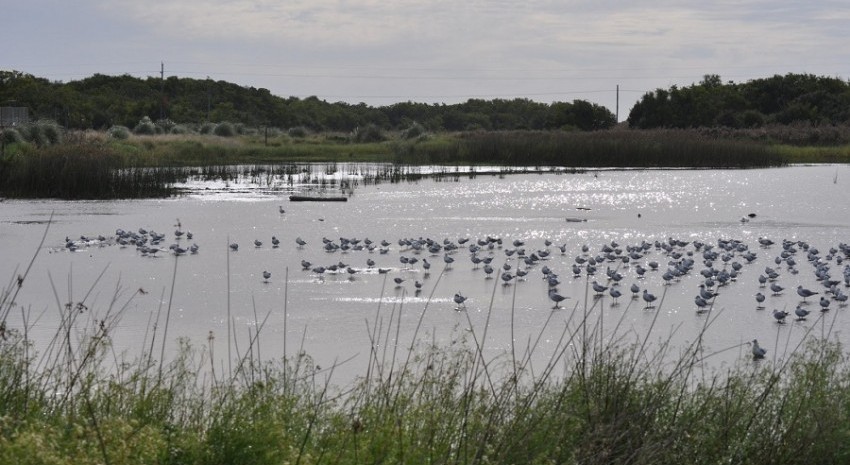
[
  {"x": 603, "y": 396},
  {"x": 616, "y": 148},
  {"x": 79, "y": 172},
  {"x": 97, "y": 167}
]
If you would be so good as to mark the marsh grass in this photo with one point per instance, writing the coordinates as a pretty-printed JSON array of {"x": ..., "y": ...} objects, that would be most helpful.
[
  {"x": 616, "y": 148},
  {"x": 816, "y": 154},
  {"x": 603, "y": 395},
  {"x": 78, "y": 172},
  {"x": 95, "y": 165}
]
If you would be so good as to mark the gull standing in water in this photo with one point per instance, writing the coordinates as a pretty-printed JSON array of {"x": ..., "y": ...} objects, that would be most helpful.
[
  {"x": 801, "y": 313},
  {"x": 758, "y": 351},
  {"x": 705, "y": 293},
  {"x": 649, "y": 299},
  {"x": 760, "y": 299},
  {"x": 598, "y": 288},
  {"x": 557, "y": 298},
  {"x": 804, "y": 293},
  {"x": 460, "y": 301},
  {"x": 615, "y": 293},
  {"x": 701, "y": 304},
  {"x": 780, "y": 316},
  {"x": 488, "y": 270}
]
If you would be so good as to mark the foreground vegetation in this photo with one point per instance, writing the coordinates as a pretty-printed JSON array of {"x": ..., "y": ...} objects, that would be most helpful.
[{"x": 598, "y": 399}]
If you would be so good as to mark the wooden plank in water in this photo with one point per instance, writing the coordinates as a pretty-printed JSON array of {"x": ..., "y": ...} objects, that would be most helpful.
[{"x": 309, "y": 198}]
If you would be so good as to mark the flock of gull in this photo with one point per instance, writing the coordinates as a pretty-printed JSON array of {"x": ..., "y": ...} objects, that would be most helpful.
[
  {"x": 148, "y": 243},
  {"x": 612, "y": 270},
  {"x": 722, "y": 263}
]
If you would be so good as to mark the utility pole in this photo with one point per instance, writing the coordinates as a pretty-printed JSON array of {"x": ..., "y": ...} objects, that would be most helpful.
[
  {"x": 161, "y": 90},
  {"x": 618, "y": 104},
  {"x": 209, "y": 97}
]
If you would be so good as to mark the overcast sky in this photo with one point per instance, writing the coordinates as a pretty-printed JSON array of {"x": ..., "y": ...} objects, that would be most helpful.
[{"x": 385, "y": 51}]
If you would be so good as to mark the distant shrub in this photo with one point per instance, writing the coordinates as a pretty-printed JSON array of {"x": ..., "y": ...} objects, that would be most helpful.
[
  {"x": 415, "y": 130},
  {"x": 243, "y": 130},
  {"x": 34, "y": 134},
  {"x": 52, "y": 131},
  {"x": 207, "y": 128},
  {"x": 272, "y": 131},
  {"x": 752, "y": 119},
  {"x": 119, "y": 132},
  {"x": 164, "y": 126},
  {"x": 368, "y": 133},
  {"x": 225, "y": 129},
  {"x": 297, "y": 132},
  {"x": 11, "y": 136},
  {"x": 145, "y": 127},
  {"x": 179, "y": 129}
]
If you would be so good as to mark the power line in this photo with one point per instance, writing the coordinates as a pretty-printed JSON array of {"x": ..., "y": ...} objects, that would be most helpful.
[{"x": 491, "y": 95}]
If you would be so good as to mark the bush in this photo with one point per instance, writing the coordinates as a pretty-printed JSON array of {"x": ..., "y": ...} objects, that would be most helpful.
[
  {"x": 297, "y": 132},
  {"x": 119, "y": 132},
  {"x": 243, "y": 130},
  {"x": 34, "y": 134},
  {"x": 179, "y": 129},
  {"x": 165, "y": 126},
  {"x": 368, "y": 133},
  {"x": 145, "y": 127},
  {"x": 752, "y": 119},
  {"x": 11, "y": 136},
  {"x": 207, "y": 128},
  {"x": 52, "y": 131},
  {"x": 415, "y": 130},
  {"x": 271, "y": 131},
  {"x": 225, "y": 129}
]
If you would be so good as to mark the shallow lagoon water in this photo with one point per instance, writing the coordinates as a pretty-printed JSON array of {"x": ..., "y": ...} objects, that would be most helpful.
[{"x": 331, "y": 316}]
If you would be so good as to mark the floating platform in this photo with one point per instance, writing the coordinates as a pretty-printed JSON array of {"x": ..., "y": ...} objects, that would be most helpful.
[{"x": 316, "y": 198}]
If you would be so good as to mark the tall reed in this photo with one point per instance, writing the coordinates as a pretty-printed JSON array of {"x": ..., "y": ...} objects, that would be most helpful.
[
  {"x": 86, "y": 171},
  {"x": 616, "y": 148}
]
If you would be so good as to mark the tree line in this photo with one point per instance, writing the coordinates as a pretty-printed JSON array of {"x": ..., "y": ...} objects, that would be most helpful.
[
  {"x": 101, "y": 102},
  {"x": 783, "y": 100}
]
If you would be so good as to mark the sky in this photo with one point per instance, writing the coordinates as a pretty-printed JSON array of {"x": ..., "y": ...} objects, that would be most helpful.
[{"x": 380, "y": 52}]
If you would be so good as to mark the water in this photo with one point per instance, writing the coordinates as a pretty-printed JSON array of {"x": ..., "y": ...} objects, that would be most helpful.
[{"x": 331, "y": 317}]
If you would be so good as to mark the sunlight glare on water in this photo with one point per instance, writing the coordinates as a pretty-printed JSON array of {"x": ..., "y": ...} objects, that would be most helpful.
[{"x": 331, "y": 314}]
